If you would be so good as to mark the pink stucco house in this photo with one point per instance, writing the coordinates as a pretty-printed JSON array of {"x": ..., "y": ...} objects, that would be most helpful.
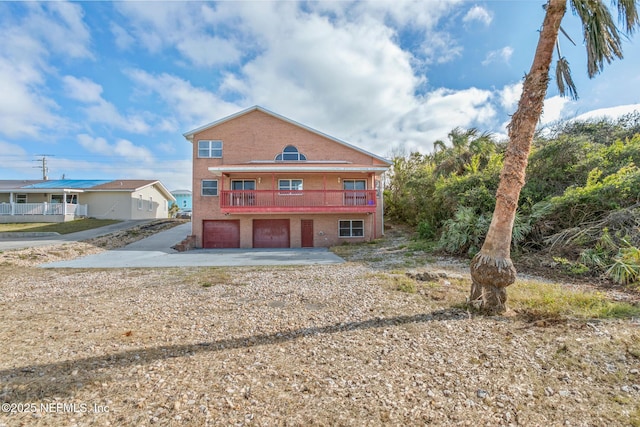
[{"x": 261, "y": 180}]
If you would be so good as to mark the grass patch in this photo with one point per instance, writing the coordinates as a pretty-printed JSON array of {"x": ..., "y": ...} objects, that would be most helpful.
[
  {"x": 395, "y": 281},
  {"x": 553, "y": 300},
  {"x": 210, "y": 276},
  {"x": 61, "y": 227}
]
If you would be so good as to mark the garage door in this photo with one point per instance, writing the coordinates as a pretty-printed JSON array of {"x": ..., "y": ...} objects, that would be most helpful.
[
  {"x": 221, "y": 234},
  {"x": 271, "y": 233}
]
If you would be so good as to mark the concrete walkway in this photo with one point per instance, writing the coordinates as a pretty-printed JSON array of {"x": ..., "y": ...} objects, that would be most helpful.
[{"x": 155, "y": 251}]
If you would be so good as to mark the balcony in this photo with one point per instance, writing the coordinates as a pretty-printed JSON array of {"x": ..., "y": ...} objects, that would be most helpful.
[{"x": 294, "y": 201}]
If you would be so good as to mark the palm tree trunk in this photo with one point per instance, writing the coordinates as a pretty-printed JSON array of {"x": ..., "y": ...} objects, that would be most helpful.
[{"x": 492, "y": 269}]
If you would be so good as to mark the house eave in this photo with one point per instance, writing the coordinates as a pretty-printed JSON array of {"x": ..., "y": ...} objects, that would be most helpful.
[{"x": 299, "y": 169}]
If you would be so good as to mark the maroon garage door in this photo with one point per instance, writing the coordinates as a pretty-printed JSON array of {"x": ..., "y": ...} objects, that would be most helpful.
[
  {"x": 221, "y": 234},
  {"x": 271, "y": 233}
]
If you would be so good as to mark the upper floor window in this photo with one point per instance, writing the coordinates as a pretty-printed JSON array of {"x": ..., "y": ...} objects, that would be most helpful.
[
  {"x": 290, "y": 153},
  {"x": 209, "y": 187},
  {"x": 211, "y": 149},
  {"x": 289, "y": 186}
]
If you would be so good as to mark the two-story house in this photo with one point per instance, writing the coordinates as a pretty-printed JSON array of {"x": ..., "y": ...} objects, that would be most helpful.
[{"x": 261, "y": 180}]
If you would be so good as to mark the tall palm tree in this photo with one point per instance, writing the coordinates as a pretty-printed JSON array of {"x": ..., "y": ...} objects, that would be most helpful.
[{"x": 492, "y": 270}]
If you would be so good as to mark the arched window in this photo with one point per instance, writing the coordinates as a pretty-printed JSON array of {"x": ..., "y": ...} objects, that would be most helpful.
[{"x": 290, "y": 153}]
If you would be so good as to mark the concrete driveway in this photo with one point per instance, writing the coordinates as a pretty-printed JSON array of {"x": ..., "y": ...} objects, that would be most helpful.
[
  {"x": 155, "y": 251},
  {"x": 27, "y": 240}
]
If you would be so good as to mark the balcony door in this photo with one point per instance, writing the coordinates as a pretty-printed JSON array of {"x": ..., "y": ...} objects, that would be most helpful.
[
  {"x": 243, "y": 192},
  {"x": 353, "y": 196}
]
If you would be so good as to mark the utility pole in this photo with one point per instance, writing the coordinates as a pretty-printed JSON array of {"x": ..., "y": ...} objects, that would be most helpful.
[{"x": 43, "y": 166}]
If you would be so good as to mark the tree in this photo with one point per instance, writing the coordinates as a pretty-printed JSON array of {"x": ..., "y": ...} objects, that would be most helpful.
[
  {"x": 492, "y": 270},
  {"x": 464, "y": 145}
]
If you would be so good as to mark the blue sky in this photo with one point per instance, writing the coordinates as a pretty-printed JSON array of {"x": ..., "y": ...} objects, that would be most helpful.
[{"x": 106, "y": 90}]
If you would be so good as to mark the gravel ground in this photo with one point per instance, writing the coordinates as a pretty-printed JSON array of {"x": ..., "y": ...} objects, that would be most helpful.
[{"x": 313, "y": 345}]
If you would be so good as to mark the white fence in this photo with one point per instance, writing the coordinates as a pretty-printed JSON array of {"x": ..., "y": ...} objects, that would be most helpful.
[{"x": 43, "y": 209}]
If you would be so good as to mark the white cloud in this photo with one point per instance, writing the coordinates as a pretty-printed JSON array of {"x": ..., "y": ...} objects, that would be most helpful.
[
  {"x": 440, "y": 48},
  {"x": 553, "y": 109},
  {"x": 478, "y": 14},
  {"x": 15, "y": 160},
  {"x": 169, "y": 25},
  {"x": 60, "y": 26},
  {"x": 122, "y": 147},
  {"x": 99, "y": 110},
  {"x": 500, "y": 55},
  {"x": 122, "y": 38},
  {"x": 609, "y": 113},
  {"x": 41, "y": 31},
  {"x": 510, "y": 96},
  {"x": 23, "y": 110},
  {"x": 82, "y": 89},
  {"x": 192, "y": 106}
]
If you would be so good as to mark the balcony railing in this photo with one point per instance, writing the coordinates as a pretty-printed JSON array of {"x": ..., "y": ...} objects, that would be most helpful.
[{"x": 250, "y": 201}]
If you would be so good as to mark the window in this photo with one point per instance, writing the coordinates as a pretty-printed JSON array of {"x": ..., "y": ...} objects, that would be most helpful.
[
  {"x": 21, "y": 198},
  {"x": 351, "y": 228},
  {"x": 140, "y": 202},
  {"x": 184, "y": 202},
  {"x": 210, "y": 149},
  {"x": 243, "y": 192},
  {"x": 290, "y": 186},
  {"x": 290, "y": 153},
  {"x": 209, "y": 187},
  {"x": 354, "y": 194},
  {"x": 58, "y": 198},
  {"x": 150, "y": 203}
]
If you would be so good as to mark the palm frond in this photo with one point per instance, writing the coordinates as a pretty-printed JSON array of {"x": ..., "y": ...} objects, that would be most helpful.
[
  {"x": 565, "y": 83},
  {"x": 601, "y": 36},
  {"x": 628, "y": 14}
]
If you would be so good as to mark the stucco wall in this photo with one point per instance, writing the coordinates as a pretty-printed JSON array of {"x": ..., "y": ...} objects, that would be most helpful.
[{"x": 107, "y": 205}]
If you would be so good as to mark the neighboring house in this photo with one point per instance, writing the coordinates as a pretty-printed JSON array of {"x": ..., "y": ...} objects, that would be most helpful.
[
  {"x": 66, "y": 200},
  {"x": 263, "y": 180},
  {"x": 183, "y": 199}
]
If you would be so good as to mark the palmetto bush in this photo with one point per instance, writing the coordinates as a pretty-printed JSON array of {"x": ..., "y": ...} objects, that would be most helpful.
[
  {"x": 464, "y": 233},
  {"x": 626, "y": 266}
]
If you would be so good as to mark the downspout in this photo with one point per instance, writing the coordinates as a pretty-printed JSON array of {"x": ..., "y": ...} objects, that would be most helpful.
[{"x": 381, "y": 192}]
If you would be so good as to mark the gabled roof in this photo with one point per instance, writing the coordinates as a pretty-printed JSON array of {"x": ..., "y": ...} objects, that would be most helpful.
[
  {"x": 189, "y": 135},
  {"x": 132, "y": 185}
]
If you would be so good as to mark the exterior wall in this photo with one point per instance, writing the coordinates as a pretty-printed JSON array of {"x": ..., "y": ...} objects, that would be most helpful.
[
  {"x": 325, "y": 228},
  {"x": 153, "y": 204},
  {"x": 124, "y": 204},
  {"x": 183, "y": 201},
  {"x": 257, "y": 136},
  {"x": 260, "y": 136},
  {"x": 107, "y": 205}
]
